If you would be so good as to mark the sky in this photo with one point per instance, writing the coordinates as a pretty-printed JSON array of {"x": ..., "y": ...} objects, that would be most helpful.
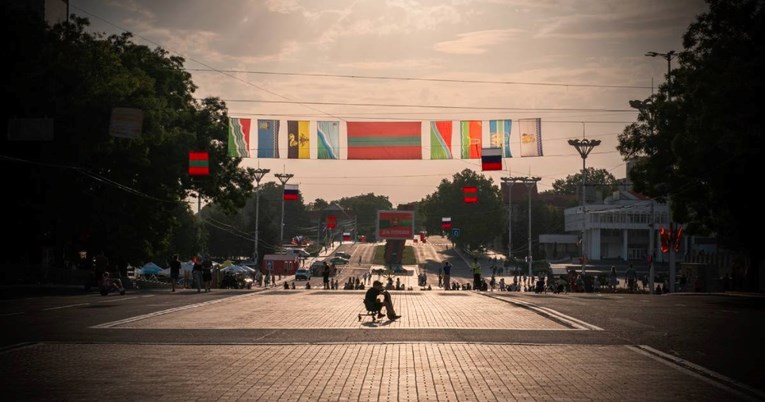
[{"x": 575, "y": 64}]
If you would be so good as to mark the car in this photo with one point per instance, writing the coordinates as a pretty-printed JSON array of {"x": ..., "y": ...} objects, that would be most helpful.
[
  {"x": 343, "y": 254},
  {"x": 338, "y": 260},
  {"x": 303, "y": 273}
]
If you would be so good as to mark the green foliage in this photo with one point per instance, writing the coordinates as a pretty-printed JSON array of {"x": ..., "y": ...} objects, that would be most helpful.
[
  {"x": 703, "y": 133},
  {"x": 365, "y": 208},
  {"x": 88, "y": 190},
  {"x": 600, "y": 179}
]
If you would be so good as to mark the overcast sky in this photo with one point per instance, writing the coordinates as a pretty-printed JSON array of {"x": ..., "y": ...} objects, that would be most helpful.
[{"x": 574, "y": 64}]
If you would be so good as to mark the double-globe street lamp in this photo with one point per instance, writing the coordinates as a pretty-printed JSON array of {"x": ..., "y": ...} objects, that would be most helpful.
[
  {"x": 667, "y": 56},
  {"x": 584, "y": 147},
  {"x": 283, "y": 178}
]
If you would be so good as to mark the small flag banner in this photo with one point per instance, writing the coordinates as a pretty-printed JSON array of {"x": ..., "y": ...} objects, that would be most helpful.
[
  {"x": 199, "y": 164},
  {"x": 440, "y": 140},
  {"x": 331, "y": 222},
  {"x": 268, "y": 138},
  {"x": 446, "y": 223},
  {"x": 384, "y": 140},
  {"x": 531, "y": 136},
  {"x": 239, "y": 137},
  {"x": 470, "y": 194},
  {"x": 470, "y": 139},
  {"x": 346, "y": 236},
  {"x": 499, "y": 135},
  {"x": 298, "y": 140},
  {"x": 328, "y": 138},
  {"x": 491, "y": 159},
  {"x": 291, "y": 192}
]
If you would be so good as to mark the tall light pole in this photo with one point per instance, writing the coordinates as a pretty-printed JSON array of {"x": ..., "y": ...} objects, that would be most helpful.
[
  {"x": 584, "y": 147},
  {"x": 529, "y": 182},
  {"x": 259, "y": 173},
  {"x": 667, "y": 56},
  {"x": 283, "y": 178},
  {"x": 509, "y": 182}
]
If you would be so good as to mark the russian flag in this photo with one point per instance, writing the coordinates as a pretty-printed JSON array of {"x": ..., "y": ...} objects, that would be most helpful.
[
  {"x": 446, "y": 223},
  {"x": 491, "y": 159},
  {"x": 291, "y": 192}
]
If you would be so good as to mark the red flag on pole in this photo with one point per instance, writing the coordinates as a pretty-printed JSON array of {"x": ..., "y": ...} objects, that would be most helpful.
[{"x": 470, "y": 194}]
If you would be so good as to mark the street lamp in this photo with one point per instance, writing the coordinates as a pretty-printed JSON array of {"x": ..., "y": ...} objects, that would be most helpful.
[
  {"x": 259, "y": 173},
  {"x": 509, "y": 182},
  {"x": 283, "y": 178},
  {"x": 529, "y": 182},
  {"x": 667, "y": 56},
  {"x": 584, "y": 147}
]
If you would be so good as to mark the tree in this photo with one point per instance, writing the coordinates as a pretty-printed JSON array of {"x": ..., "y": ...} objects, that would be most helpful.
[
  {"x": 697, "y": 139},
  {"x": 365, "y": 209},
  {"x": 89, "y": 190},
  {"x": 480, "y": 223},
  {"x": 596, "y": 178}
]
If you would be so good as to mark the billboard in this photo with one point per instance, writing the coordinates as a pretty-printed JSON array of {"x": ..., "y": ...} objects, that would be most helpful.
[{"x": 395, "y": 225}]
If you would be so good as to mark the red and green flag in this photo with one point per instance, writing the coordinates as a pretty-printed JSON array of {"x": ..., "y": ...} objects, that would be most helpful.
[{"x": 199, "y": 163}]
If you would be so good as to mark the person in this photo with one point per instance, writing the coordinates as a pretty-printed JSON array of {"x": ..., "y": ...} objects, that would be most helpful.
[
  {"x": 325, "y": 275},
  {"x": 197, "y": 272},
  {"x": 447, "y": 274},
  {"x": 612, "y": 280},
  {"x": 207, "y": 273},
  {"x": 373, "y": 303},
  {"x": 175, "y": 271},
  {"x": 631, "y": 276},
  {"x": 476, "y": 267}
]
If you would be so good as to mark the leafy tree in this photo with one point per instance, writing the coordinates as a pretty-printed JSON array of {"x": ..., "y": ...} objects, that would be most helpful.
[
  {"x": 88, "y": 190},
  {"x": 480, "y": 223},
  {"x": 697, "y": 139},
  {"x": 365, "y": 208},
  {"x": 595, "y": 178}
]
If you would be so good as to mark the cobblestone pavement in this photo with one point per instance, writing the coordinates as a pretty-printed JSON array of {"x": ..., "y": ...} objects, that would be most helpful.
[{"x": 347, "y": 369}]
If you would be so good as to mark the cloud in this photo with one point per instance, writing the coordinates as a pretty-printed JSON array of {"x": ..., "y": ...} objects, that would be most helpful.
[{"x": 476, "y": 42}]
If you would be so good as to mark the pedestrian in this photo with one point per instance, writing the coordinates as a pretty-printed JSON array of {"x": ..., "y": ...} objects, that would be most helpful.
[
  {"x": 175, "y": 271},
  {"x": 196, "y": 271},
  {"x": 631, "y": 277},
  {"x": 207, "y": 273},
  {"x": 476, "y": 268},
  {"x": 325, "y": 275},
  {"x": 447, "y": 274},
  {"x": 612, "y": 279}
]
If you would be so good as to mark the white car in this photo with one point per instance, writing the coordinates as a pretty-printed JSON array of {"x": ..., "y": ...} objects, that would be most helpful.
[{"x": 303, "y": 273}]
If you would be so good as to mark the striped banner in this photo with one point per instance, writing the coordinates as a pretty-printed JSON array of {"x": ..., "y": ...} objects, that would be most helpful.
[
  {"x": 298, "y": 139},
  {"x": 499, "y": 134},
  {"x": 291, "y": 192},
  {"x": 268, "y": 138},
  {"x": 440, "y": 140},
  {"x": 491, "y": 159},
  {"x": 328, "y": 138},
  {"x": 199, "y": 163},
  {"x": 384, "y": 140},
  {"x": 239, "y": 137},
  {"x": 470, "y": 144}
]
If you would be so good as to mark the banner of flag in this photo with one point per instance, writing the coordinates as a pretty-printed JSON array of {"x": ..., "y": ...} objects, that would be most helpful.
[
  {"x": 380, "y": 140},
  {"x": 446, "y": 223},
  {"x": 470, "y": 194},
  {"x": 291, "y": 192},
  {"x": 239, "y": 137},
  {"x": 199, "y": 164},
  {"x": 491, "y": 159},
  {"x": 331, "y": 222}
]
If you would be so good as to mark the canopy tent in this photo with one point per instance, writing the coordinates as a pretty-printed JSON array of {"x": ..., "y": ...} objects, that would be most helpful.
[{"x": 149, "y": 268}]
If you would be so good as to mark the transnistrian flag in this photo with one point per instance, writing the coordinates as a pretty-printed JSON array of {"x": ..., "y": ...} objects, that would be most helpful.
[
  {"x": 199, "y": 164},
  {"x": 328, "y": 138},
  {"x": 291, "y": 192},
  {"x": 298, "y": 139},
  {"x": 440, "y": 140},
  {"x": 531, "y": 136},
  {"x": 384, "y": 140},
  {"x": 491, "y": 159},
  {"x": 268, "y": 138},
  {"x": 446, "y": 223},
  {"x": 470, "y": 194},
  {"x": 470, "y": 140},
  {"x": 239, "y": 137}
]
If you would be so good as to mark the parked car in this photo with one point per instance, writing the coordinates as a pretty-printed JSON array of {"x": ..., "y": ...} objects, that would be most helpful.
[
  {"x": 338, "y": 260},
  {"x": 343, "y": 254},
  {"x": 303, "y": 273},
  {"x": 317, "y": 267}
]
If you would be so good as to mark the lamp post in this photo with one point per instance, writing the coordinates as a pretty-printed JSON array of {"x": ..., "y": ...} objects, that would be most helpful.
[
  {"x": 283, "y": 178},
  {"x": 259, "y": 173},
  {"x": 584, "y": 147},
  {"x": 667, "y": 56},
  {"x": 529, "y": 182},
  {"x": 509, "y": 182}
]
